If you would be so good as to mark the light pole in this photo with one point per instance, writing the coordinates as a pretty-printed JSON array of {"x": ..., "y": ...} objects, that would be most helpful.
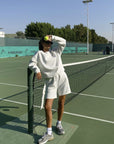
[
  {"x": 112, "y": 35},
  {"x": 86, "y": 2}
]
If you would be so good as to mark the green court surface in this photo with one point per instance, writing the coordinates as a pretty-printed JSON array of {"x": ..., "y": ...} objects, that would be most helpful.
[{"x": 87, "y": 119}]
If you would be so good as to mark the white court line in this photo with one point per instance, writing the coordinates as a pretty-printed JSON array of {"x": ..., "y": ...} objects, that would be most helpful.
[
  {"x": 68, "y": 113},
  {"x": 110, "y": 73},
  {"x": 101, "y": 97},
  {"x": 88, "y": 95},
  {"x": 11, "y": 101},
  {"x": 15, "y": 85},
  {"x": 88, "y": 117}
]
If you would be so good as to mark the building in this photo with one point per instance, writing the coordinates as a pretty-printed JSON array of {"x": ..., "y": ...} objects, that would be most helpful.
[{"x": 2, "y": 34}]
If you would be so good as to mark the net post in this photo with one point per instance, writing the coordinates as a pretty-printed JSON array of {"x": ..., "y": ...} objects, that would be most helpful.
[{"x": 30, "y": 74}]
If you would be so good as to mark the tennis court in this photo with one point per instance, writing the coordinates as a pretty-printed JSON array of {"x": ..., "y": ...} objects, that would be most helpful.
[{"x": 88, "y": 118}]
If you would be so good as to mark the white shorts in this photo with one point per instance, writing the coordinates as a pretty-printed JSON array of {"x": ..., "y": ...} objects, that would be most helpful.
[{"x": 59, "y": 84}]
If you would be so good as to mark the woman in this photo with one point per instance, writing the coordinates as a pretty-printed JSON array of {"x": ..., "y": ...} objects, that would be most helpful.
[{"x": 47, "y": 62}]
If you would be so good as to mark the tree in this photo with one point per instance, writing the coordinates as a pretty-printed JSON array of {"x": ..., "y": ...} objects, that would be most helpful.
[
  {"x": 68, "y": 33},
  {"x": 80, "y": 33},
  {"x": 38, "y": 29},
  {"x": 93, "y": 36},
  {"x": 20, "y": 34},
  {"x": 77, "y": 34},
  {"x": 101, "y": 40}
]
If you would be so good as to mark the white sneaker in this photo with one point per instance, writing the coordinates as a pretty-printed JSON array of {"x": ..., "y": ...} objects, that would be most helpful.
[
  {"x": 60, "y": 129},
  {"x": 45, "y": 138}
]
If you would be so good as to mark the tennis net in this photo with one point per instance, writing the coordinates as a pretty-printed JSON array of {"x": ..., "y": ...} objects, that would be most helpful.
[{"x": 81, "y": 75}]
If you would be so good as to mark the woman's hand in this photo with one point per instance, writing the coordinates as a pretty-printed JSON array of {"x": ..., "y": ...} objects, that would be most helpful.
[
  {"x": 39, "y": 76},
  {"x": 50, "y": 37}
]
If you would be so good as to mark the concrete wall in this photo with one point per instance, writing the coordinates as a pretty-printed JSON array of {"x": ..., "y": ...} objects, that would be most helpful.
[{"x": 2, "y": 34}]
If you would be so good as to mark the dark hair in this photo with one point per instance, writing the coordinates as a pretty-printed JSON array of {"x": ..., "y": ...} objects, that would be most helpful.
[{"x": 40, "y": 45}]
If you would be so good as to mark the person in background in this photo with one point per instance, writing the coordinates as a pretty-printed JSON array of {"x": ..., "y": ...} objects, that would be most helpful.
[{"x": 107, "y": 50}]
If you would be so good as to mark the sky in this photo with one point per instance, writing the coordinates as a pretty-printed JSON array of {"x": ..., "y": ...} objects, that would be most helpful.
[{"x": 15, "y": 15}]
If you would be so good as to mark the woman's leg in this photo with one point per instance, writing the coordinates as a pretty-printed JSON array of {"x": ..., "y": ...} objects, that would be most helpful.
[
  {"x": 61, "y": 102},
  {"x": 48, "y": 111}
]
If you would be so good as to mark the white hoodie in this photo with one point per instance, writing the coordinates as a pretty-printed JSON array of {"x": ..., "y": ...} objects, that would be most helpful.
[{"x": 49, "y": 63}]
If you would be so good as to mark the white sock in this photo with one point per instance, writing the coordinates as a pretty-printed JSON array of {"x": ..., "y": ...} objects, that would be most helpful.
[
  {"x": 49, "y": 131},
  {"x": 59, "y": 122}
]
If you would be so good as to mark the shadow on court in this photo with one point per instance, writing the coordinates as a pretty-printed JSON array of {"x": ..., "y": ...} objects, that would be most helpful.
[
  {"x": 6, "y": 118},
  {"x": 10, "y": 111}
]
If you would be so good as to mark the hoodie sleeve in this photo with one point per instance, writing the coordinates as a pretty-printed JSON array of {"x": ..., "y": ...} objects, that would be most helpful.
[
  {"x": 33, "y": 63},
  {"x": 61, "y": 43}
]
